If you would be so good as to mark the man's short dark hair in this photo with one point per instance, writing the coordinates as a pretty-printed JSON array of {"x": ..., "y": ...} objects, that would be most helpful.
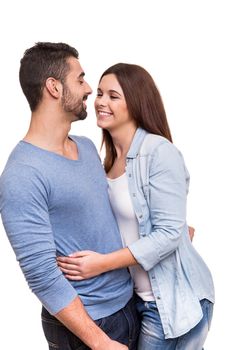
[{"x": 40, "y": 62}]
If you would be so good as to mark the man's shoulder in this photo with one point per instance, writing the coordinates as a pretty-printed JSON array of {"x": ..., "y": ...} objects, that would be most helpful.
[
  {"x": 82, "y": 139},
  {"x": 19, "y": 169},
  {"x": 19, "y": 173},
  {"x": 85, "y": 141},
  {"x": 19, "y": 160}
]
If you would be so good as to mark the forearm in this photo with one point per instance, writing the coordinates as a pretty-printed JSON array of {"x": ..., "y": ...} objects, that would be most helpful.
[
  {"x": 87, "y": 264},
  {"x": 118, "y": 259},
  {"x": 76, "y": 319}
]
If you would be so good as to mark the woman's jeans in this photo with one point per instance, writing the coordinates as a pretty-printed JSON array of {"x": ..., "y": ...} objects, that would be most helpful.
[
  {"x": 152, "y": 335},
  {"x": 123, "y": 326}
]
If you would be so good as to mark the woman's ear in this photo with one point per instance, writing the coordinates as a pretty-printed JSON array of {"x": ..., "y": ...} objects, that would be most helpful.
[{"x": 54, "y": 87}]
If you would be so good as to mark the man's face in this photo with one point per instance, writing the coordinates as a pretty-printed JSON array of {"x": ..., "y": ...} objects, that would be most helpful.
[{"x": 75, "y": 91}]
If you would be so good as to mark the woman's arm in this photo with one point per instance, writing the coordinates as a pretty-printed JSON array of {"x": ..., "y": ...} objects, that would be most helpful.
[
  {"x": 167, "y": 192},
  {"x": 87, "y": 264},
  {"x": 167, "y": 212}
]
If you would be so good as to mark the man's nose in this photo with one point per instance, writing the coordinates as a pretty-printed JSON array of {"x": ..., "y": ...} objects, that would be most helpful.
[{"x": 88, "y": 89}]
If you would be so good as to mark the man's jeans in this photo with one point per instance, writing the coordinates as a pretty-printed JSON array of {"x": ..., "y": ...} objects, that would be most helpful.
[
  {"x": 122, "y": 326},
  {"x": 152, "y": 335}
]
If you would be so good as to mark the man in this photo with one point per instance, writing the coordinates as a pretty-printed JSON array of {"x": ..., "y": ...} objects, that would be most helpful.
[{"x": 54, "y": 200}]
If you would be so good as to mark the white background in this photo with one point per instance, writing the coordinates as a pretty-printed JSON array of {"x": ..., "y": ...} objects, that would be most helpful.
[{"x": 187, "y": 48}]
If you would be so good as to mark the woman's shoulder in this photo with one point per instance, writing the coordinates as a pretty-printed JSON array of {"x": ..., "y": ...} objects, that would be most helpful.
[
  {"x": 160, "y": 147},
  {"x": 153, "y": 142},
  {"x": 163, "y": 153}
]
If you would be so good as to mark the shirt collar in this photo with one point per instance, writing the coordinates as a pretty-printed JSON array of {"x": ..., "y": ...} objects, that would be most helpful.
[{"x": 136, "y": 143}]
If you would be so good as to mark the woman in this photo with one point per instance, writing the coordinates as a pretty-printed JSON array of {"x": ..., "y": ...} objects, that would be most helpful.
[{"x": 148, "y": 184}]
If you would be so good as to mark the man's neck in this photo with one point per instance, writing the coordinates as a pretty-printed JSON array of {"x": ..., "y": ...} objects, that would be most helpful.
[{"x": 52, "y": 135}]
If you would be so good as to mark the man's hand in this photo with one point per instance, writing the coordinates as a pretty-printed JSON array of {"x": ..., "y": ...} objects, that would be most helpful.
[
  {"x": 117, "y": 346},
  {"x": 112, "y": 345},
  {"x": 76, "y": 319}
]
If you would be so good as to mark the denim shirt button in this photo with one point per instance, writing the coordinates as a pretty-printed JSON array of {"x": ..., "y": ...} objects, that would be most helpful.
[
  {"x": 140, "y": 216},
  {"x": 134, "y": 194},
  {"x": 158, "y": 298}
]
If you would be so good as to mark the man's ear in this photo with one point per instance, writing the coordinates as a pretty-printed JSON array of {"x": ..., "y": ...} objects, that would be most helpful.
[{"x": 54, "y": 87}]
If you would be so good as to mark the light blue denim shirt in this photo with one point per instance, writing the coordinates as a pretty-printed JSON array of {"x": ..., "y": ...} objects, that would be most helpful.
[{"x": 158, "y": 184}]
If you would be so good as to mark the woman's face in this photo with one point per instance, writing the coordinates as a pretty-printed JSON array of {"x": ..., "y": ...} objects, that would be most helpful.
[{"x": 110, "y": 105}]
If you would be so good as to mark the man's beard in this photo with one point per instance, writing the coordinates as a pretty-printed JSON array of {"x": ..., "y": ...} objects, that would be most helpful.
[
  {"x": 82, "y": 114},
  {"x": 73, "y": 105}
]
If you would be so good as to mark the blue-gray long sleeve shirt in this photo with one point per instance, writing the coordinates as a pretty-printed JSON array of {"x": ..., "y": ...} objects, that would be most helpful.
[{"x": 51, "y": 206}]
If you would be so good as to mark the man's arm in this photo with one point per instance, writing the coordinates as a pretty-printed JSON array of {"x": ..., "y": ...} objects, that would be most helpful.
[
  {"x": 24, "y": 210},
  {"x": 76, "y": 319}
]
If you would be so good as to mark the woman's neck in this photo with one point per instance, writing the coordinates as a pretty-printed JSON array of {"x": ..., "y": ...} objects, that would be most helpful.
[{"x": 122, "y": 139}]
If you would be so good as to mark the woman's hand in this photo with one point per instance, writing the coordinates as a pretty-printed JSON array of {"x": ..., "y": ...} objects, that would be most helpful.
[
  {"x": 82, "y": 265},
  {"x": 191, "y": 232},
  {"x": 86, "y": 264}
]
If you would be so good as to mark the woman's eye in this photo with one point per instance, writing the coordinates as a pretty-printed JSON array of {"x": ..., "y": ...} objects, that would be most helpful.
[{"x": 113, "y": 97}]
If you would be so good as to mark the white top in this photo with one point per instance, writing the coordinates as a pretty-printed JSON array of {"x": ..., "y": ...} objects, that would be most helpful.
[{"x": 128, "y": 226}]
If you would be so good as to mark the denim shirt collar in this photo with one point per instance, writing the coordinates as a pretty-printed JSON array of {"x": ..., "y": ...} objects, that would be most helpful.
[{"x": 136, "y": 143}]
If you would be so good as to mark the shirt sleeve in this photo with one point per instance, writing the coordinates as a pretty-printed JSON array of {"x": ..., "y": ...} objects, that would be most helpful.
[
  {"x": 25, "y": 216},
  {"x": 168, "y": 178}
]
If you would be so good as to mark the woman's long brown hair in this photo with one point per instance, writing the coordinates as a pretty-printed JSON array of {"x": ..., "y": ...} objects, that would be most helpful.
[{"x": 144, "y": 104}]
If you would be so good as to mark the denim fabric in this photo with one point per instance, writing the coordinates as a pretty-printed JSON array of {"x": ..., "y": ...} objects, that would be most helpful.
[
  {"x": 152, "y": 335},
  {"x": 158, "y": 184},
  {"x": 122, "y": 326}
]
